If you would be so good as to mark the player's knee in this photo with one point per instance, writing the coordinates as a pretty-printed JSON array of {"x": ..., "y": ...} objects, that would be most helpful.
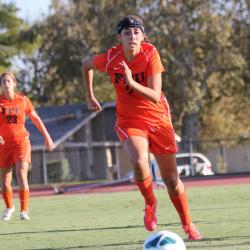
[
  {"x": 6, "y": 185},
  {"x": 139, "y": 162},
  {"x": 22, "y": 171},
  {"x": 171, "y": 181}
]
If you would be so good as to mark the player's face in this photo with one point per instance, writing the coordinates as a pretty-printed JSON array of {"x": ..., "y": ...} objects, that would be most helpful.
[
  {"x": 7, "y": 83},
  {"x": 131, "y": 38}
]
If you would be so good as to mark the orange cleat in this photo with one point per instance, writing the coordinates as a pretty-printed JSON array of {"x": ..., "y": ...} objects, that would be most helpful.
[
  {"x": 192, "y": 232},
  {"x": 150, "y": 218}
]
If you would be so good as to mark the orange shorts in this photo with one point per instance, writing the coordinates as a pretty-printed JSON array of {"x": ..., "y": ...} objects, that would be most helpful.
[
  {"x": 13, "y": 152},
  {"x": 161, "y": 139}
]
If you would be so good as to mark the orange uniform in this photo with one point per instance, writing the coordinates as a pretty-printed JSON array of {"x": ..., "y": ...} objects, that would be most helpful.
[
  {"x": 13, "y": 131},
  {"x": 137, "y": 115}
]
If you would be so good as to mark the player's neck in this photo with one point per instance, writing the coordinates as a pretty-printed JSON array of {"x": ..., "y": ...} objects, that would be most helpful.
[
  {"x": 131, "y": 54},
  {"x": 9, "y": 95}
]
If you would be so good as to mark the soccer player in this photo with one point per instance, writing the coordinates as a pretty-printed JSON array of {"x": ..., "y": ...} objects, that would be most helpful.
[
  {"x": 15, "y": 147},
  {"x": 143, "y": 115}
]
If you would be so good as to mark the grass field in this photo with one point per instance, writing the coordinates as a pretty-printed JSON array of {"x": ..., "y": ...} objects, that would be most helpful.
[{"x": 114, "y": 221}]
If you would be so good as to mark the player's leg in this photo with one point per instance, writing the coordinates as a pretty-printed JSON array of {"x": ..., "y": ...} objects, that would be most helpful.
[
  {"x": 175, "y": 187},
  {"x": 176, "y": 191},
  {"x": 22, "y": 168},
  {"x": 22, "y": 159},
  {"x": 7, "y": 193},
  {"x": 136, "y": 148}
]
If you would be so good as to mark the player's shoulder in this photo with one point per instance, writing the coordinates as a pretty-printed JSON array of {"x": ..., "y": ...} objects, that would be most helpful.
[
  {"x": 114, "y": 51},
  {"x": 20, "y": 95},
  {"x": 148, "y": 49}
]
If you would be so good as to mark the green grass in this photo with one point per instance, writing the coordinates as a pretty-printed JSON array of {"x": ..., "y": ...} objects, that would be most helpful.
[{"x": 114, "y": 221}]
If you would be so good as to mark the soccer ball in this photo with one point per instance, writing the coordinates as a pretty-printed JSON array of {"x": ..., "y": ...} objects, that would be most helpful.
[{"x": 164, "y": 240}]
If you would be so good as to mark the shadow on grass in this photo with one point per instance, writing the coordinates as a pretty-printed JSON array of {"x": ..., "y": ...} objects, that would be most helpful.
[
  {"x": 114, "y": 246},
  {"x": 83, "y": 229},
  {"x": 220, "y": 208},
  {"x": 217, "y": 246},
  {"x": 202, "y": 244},
  {"x": 221, "y": 221},
  {"x": 72, "y": 230},
  {"x": 223, "y": 238}
]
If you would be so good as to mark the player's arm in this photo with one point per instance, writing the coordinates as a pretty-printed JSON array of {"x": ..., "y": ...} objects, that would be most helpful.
[
  {"x": 153, "y": 89},
  {"x": 87, "y": 74},
  {"x": 34, "y": 117}
]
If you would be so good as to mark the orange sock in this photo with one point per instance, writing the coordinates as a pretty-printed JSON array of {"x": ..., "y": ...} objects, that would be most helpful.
[
  {"x": 181, "y": 204},
  {"x": 146, "y": 188},
  {"x": 24, "y": 199},
  {"x": 8, "y": 200}
]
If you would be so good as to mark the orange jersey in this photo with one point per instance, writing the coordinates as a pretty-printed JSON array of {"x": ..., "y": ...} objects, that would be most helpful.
[
  {"x": 131, "y": 107},
  {"x": 12, "y": 117}
]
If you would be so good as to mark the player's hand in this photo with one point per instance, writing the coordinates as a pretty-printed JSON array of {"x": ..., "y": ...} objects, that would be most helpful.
[
  {"x": 49, "y": 144},
  {"x": 93, "y": 105},
  {"x": 128, "y": 74},
  {"x": 1, "y": 140}
]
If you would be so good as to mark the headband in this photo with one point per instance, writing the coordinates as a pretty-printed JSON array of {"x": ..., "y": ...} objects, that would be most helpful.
[{"x": 129, "y": 22}]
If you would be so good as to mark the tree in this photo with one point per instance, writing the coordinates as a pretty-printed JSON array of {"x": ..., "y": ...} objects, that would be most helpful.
[
  {"x": 227, "y": 113},
  {"x": 204, "y": 66},
  {"x": 197, "y": 41},
  {"x": 14, "y": 35},
  {"x": 76, "y": 29}
]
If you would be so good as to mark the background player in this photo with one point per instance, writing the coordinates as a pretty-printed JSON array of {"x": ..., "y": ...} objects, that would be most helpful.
[{"x": 15, "y": 145}]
